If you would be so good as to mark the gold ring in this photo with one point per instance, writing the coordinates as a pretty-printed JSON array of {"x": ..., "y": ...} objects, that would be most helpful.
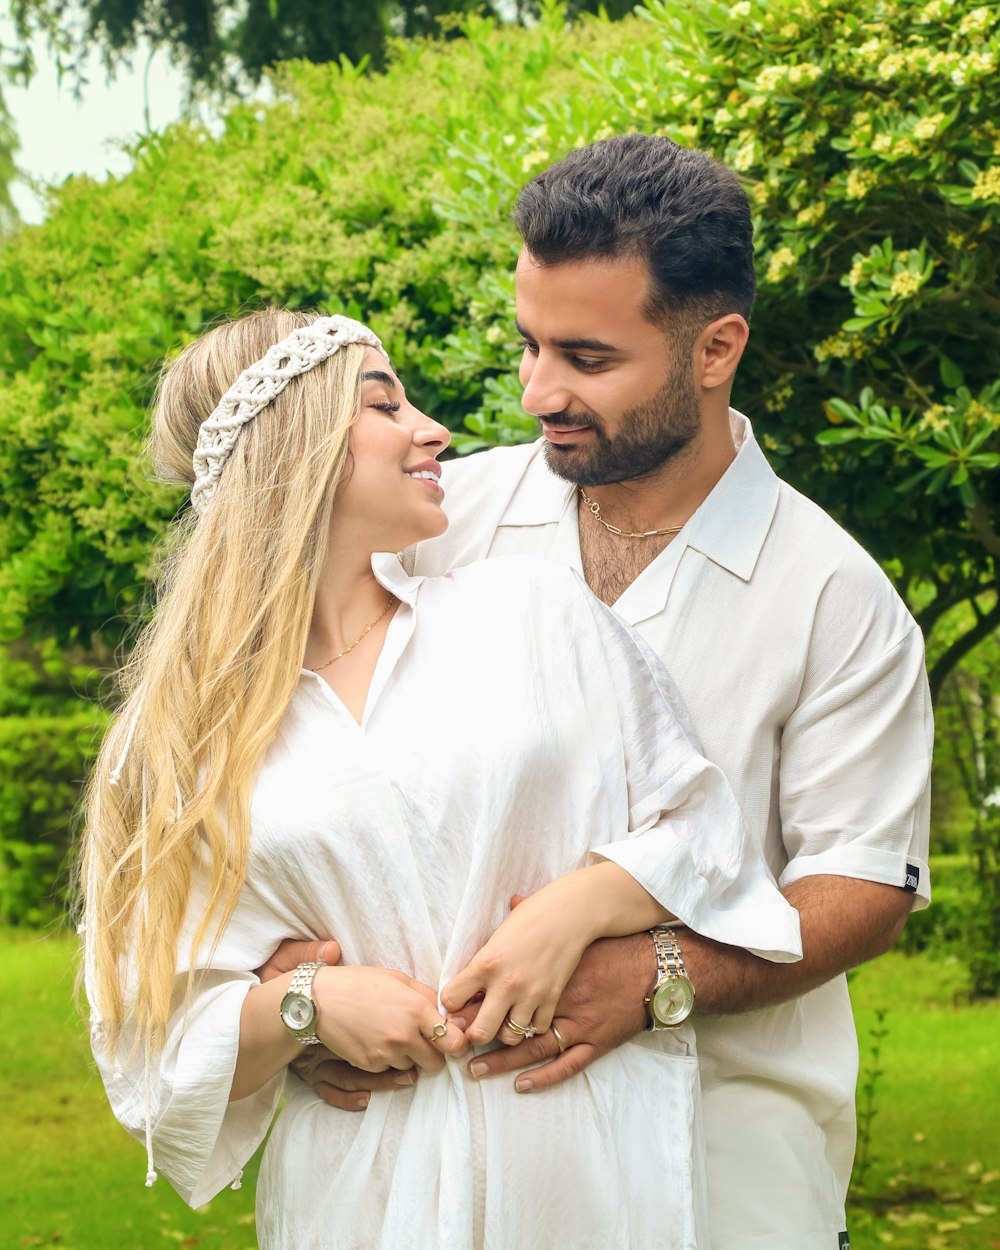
[
  {"x": 519, "y": 1030},
  {"x": 559, "y": 1039},
  {"x": 438, "y": 1031}
]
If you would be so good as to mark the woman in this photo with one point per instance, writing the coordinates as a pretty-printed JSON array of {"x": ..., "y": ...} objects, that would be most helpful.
[{"x": 314, "y": 742}]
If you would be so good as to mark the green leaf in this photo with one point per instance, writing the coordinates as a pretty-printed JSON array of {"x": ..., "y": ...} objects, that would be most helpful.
[{"x": 951, "y": 375}]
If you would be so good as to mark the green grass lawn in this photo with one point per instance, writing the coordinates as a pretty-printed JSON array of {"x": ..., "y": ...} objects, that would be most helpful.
[{"x": 72, "y": 1179}]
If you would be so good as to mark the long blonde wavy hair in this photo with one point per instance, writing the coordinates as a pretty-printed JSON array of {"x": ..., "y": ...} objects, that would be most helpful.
[{"x": 212, "y": 674}]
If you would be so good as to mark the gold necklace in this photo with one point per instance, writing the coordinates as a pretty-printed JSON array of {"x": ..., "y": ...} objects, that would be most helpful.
[
  {"x": 364, "y": 633},
  {"x": 595, "y": 509}
]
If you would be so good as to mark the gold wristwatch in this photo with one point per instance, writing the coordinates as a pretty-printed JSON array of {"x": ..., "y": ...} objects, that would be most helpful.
[{"x": 671, "y": 1000}]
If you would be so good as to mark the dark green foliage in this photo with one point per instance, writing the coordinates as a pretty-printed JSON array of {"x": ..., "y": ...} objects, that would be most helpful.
[{"x": 43, "y": 761}]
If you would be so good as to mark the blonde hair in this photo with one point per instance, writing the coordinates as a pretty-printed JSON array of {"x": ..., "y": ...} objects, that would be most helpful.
[{"x": 211, "y": 676}]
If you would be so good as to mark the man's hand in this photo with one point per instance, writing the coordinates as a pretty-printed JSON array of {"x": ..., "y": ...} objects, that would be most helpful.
[
  {"x": 293, "y": 952},
  {"x": 600, "y": 1008}
]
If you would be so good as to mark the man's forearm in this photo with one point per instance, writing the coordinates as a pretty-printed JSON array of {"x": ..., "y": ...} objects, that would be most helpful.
[{"x": 844, "y": 922}]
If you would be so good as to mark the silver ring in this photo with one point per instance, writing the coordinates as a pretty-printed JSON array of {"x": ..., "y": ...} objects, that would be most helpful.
[
  {"x": 438, "y": 1031},
  {"x": 519, "y": 1030},
  {"x": 559, "y": 1039}
]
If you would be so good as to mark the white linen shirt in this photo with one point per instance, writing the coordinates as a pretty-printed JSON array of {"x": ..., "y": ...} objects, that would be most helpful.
[
  {"x": 513, "y": 726},
  {"x": 803, "y": 674}
]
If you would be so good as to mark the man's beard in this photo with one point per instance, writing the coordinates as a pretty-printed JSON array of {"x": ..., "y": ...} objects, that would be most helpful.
[{"x": 649, "y": 435}]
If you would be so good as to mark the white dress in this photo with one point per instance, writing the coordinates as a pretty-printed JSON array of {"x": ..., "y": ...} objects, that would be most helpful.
[{"x": 514, "y": 725}]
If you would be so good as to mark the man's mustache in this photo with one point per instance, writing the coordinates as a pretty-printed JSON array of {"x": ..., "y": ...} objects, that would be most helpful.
[{"x": 573, "y": 421}]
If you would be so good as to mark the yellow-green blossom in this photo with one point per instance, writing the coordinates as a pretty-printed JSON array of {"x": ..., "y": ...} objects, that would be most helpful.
[
  {"x": 496, "y": 334},
  {"x": 928, "y": 127},
  {"x": 981, "y": 62},
  {"x": 743, "y": 158},
  {"x": 905, "y": 283},
  {"x": 806, "y": 72},
  {"x": 936, "y": 418},
  {"x": 811, "y": 214},
  {"x": 531, "y": 159},
  {"x": 935, "y": 11},
  {"x": 780, "y": 263},
  {"x": 777, "y": 401},
  {"x": 859, "y": 183},
  {"x": 975, "y": 22},
  {"x": 882, "y": 143},
  {"x": 770, "y": 76},
  {"x": 987, "y": 185},
  {"x": 890, "y": 66}
]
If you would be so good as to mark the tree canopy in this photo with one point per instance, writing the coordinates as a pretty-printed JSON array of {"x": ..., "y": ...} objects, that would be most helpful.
[{"x": 218, "y": 41}]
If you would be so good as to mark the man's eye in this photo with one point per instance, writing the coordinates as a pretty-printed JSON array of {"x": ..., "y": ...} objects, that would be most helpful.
[
  {"x": 586, "y": 364},
  {"x": 525, "y": 346}
]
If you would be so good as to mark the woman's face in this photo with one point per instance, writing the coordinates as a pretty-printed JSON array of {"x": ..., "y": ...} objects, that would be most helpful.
[{"x": 390, "y": 497}]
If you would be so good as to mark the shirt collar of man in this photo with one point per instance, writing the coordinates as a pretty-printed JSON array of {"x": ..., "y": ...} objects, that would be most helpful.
[{"x": 729, "y": 528}]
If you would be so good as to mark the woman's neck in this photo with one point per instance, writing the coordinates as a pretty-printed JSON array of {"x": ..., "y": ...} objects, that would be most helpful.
[{"x": 348, "y": 598}]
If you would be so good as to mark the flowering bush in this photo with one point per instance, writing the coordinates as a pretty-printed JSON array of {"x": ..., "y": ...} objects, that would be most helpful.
[{"x": 865, "y": 134}]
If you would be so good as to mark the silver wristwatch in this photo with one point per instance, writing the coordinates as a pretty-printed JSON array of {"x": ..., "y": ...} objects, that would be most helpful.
[
  {"x": 671, "y": 1000},
  {"x": 298, "y": 1007}
]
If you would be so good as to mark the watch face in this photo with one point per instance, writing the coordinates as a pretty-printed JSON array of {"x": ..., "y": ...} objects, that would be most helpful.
[
  {"x": 673, "y": 1000},
  {"x": 298, "y": 1011}
]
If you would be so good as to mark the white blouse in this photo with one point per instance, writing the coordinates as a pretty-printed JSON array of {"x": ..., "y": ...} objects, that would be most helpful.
[{"x": 514, "y": 725}]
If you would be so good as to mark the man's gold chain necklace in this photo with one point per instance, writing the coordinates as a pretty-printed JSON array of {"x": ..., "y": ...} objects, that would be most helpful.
[
  {"x": 364, "y": 634},
  {"x": 595, "y": 509}
]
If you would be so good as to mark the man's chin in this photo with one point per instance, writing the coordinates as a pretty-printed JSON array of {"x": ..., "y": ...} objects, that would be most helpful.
[{"x": 568, "y": 462}]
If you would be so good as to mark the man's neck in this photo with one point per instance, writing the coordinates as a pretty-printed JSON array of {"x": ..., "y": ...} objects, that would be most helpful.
[{"x": 660, "y": 500}]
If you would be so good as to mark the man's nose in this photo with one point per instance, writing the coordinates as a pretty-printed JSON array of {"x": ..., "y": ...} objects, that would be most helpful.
[{"x": 545, "y": 390}]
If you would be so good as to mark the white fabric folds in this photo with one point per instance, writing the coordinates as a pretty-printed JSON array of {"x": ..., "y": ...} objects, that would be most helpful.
[{"x": 514, "y": 726}]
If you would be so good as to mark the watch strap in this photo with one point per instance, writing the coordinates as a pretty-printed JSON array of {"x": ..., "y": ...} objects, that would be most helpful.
[{"x": 301, "y": 983}]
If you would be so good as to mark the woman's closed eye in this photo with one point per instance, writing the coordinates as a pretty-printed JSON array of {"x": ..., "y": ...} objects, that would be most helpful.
[{"x": 385, "y": 405}]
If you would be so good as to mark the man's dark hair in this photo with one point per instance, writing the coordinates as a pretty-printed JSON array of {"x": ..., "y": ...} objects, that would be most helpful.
[{"x": 645, "y": 197}]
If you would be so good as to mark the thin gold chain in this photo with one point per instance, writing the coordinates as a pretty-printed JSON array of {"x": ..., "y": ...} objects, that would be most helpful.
[
  {"x": 364, "y": 633},
  {"x": 595, "y": 509}
]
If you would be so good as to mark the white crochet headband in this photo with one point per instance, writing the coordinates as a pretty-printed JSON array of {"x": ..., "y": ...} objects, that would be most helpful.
[{"x": 254, "y": 389}]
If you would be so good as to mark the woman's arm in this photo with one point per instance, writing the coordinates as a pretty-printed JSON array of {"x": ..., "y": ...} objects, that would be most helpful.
[
  {"x": 375, "y": 1018},
  {"x": 525, "y": 965}
]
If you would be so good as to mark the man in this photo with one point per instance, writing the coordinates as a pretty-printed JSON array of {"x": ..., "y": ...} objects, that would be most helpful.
[{"x": 801, "y": 668}]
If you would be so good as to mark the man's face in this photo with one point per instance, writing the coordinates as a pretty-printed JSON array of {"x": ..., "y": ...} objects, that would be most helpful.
[{"x": 615, "y": 396}]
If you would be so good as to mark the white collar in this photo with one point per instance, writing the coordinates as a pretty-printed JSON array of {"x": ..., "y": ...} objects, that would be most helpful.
[
  {"x": 728, "y": 528},
  {"x": 391, "y": 574}
]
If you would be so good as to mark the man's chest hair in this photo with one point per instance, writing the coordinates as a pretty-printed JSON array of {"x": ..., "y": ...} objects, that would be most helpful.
[{"x": 611, "y": 564}]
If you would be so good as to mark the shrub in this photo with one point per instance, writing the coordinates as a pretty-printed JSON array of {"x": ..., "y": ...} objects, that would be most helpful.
[
  {"x": 43, "y": 760},
  {"x": 863, "y": 132}
]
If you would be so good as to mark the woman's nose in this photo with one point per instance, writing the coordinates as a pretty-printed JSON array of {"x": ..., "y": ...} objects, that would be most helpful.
[{"x": 430, "y": 433}]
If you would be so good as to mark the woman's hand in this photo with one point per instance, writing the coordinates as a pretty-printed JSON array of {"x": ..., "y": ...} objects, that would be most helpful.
[
  {"x": 377, "y": 1019},
  {"x": 524, "y": 967}
]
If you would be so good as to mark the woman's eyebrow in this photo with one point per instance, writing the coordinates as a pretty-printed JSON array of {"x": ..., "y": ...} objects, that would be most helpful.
[{"x": 376, "y": 375}]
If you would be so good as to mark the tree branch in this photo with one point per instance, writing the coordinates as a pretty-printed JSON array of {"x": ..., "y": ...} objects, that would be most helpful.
[
  {"x": 953, "y": 655},
  {"x": 982, "y": 526}
]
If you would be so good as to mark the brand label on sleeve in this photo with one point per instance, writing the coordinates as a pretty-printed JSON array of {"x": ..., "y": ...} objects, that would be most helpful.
[
  {"x": 912, "y": 878},
  {"x": 843, "y": 1241}
]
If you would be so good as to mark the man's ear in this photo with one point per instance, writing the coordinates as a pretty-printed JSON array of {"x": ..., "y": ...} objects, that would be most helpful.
[{"x": 718, "y": 349}]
